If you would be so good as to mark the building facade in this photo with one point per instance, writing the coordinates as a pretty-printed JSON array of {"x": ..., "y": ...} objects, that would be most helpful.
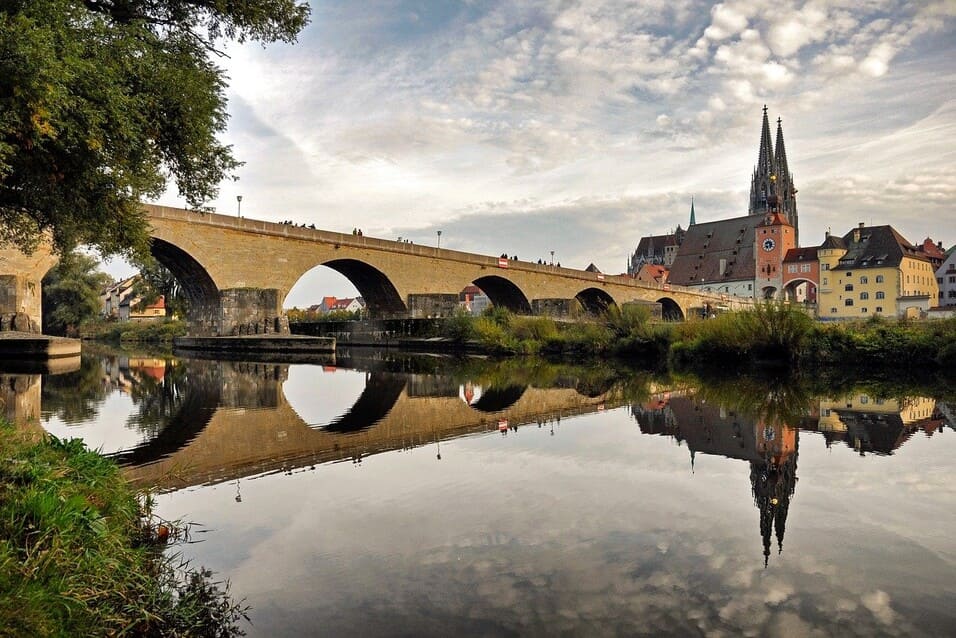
[
  {"x": 873, "y": 270},
  {"x": 946, "y": 280}
]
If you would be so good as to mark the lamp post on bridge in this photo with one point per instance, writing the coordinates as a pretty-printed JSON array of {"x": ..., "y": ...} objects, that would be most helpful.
[
  {"x": 439, "y": 238},
  {"x": 239, "y": 206},
  {"x": 552, "y": 257}
]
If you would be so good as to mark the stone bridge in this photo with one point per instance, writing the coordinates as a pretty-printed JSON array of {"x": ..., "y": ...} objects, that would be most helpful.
[{"x": 237, "y": 272}]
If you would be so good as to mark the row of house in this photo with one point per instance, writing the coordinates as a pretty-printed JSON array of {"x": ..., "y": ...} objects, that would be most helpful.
[
  {"x": 119, "y": 301},
  {"x": 870, "y": 270}
]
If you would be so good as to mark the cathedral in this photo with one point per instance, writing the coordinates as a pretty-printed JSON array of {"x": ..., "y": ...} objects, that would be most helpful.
[{"x": 742, "y": 256}]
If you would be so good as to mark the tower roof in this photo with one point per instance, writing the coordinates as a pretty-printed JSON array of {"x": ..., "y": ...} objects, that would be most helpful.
[
  {"x": 780, "y": 158},
  {"x": 765, "y": 154},
  {"x": 693, "y": 219}
]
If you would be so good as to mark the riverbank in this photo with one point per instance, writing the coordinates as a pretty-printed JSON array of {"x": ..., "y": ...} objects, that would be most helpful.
[
  {"x": 770, "y": 333},
  {"x": 81, "y": 556},
  {"x": 117, "y": 332}
]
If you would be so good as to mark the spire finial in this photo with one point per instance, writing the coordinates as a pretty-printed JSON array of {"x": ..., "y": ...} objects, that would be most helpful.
[{"x": 693, "y": 218}]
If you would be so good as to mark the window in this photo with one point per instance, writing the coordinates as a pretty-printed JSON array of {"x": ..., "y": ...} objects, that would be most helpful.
[
  {"x": 864, "y": 399},
  {"x": 939, "y": 280},
  {"x": 826, "y": 266},
  {"x": 864, "y": 280},
  {"x": 849, "y": 274},
  {"x": 848, "y": 302},
  {"x": 864, "y": 295},
  {"x": 848, "y": 288},
  {"x": 792, "y": 268},
  {"x": 951, "y": 294},
  {"x": 863, "y": 311},
  {"x": 879, "y": 279},
  {"x": 832, "y": 311},
  {"x": 804, "y": 267},
  {"x": 952, "y": 279},
  {"x": 879, "y": 308},
  {"x": 907, "y": 278},
  {"x": 880, "y": 294},
  {"x": 825, "y": 281}
]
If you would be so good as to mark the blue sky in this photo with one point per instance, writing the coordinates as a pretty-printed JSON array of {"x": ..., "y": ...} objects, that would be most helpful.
[{"x": 580, "y": 125}]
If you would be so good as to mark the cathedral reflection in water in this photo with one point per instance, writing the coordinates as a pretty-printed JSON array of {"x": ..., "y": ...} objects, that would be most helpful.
[{"x": 864, "y": 423}]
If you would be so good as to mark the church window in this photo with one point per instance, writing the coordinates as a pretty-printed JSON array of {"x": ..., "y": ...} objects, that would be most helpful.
[
  {"x": 864, "y": 295},
  {"x": 848, "y": 302},
  {"x": 880, "y": 294},
  {"x": 879, "y": 279}
]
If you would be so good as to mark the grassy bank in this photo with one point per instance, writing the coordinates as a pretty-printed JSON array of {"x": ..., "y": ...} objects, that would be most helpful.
[
  {"x": 79, "y": 556},
  {"x": 117, "y": 332},
  {"x": 768, "y": 333}
]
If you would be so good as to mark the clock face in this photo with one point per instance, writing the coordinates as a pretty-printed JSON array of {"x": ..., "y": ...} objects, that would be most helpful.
[{"x": 768, "y": 244}]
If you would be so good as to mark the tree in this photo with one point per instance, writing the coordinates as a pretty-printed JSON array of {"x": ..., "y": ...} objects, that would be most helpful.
[
  {"x": 71, "y": 293},
  {"x": 156, "y": 281},
  {"x": 102, "y": 101}
]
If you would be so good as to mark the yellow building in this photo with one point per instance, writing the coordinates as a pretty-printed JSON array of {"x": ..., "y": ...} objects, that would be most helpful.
[{"x": 873, "y": 270}]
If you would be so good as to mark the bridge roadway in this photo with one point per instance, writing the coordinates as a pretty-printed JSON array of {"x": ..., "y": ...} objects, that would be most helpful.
[{"x": 238, "y": 271}]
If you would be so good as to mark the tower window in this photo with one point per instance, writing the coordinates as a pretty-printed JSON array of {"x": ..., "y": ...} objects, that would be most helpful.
[
  {"x": 879, "y": 279},
  {"x": 848, "y": 302}
]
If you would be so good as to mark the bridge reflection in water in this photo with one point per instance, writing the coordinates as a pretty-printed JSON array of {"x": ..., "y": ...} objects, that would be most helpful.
[{"x": 233, "y": 419}]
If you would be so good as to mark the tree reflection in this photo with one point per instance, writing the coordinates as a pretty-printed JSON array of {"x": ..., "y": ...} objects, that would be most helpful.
[{"x": 75, "y": 397}]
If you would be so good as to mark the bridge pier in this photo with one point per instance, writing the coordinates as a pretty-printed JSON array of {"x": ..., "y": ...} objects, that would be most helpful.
[
  {"x": 20, "y": 309},
  {"x": 239, "y": 311},
  {"x": 553, "y": 307},
  {"x": 432, "y": 305}
]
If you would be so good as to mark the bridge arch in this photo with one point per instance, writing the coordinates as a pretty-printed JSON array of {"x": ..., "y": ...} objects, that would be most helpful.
[
  {"x": 670, "y": 310},
  {"x": 504, "y": 294},
  {"x": 201, "y": 292},
  {"x": 795, "y": 288},
  {"x": 381, "y": 296},
  {"x": 595, "y": 301}
]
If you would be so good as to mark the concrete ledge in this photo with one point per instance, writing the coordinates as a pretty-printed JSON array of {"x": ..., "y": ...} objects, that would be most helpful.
[
  {"x": 258, "y": 343},
  {"x": 25, "y": 345}
]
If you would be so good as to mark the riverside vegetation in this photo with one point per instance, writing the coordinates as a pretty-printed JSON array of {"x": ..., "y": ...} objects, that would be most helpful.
[
  {"x": 771, "y": 332},
  {"x": 80, "y": 554}
]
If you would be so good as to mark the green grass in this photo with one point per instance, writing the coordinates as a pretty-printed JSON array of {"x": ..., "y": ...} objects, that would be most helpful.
[
  {"x": 117, "y": 332},
  {"x": 78, "y": 555}
]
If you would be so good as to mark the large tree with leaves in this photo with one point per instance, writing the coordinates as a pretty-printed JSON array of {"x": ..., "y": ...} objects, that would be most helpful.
[
  {"x": 103, "y": 101},
  {"x": 71, "y": 294}
]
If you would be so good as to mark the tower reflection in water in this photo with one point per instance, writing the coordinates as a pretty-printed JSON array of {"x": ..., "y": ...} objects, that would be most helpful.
[{"x": 769, "y": 447}]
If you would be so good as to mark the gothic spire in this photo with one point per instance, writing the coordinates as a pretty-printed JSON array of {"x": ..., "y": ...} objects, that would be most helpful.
[
  {"x": 693, "y": 219},
  {"x": 785, "y": 188},
  {"x": 765, "y": 154},
  {"x": 760, "y": 187},
  {"x": 780, "y": 158}
]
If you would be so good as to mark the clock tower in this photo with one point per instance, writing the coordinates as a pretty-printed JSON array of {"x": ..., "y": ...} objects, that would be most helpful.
[{"x": 773, "y": 237}]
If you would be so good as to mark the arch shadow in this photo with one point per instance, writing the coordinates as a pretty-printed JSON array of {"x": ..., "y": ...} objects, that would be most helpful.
[
  {"x": 381, "y": 297},
  {"x": 670, "y": 309},
  {"x": 595, "y": 301},
  {"x": 504, "y": 294},
  {"x": 496, "y": 399},
  {"x": 199, "y": 288}
]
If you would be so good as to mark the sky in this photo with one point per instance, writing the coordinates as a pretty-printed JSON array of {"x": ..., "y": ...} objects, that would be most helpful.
[{"x": 578, "y": 126}]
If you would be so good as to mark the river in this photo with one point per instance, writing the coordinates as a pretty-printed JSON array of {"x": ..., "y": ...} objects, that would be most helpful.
[{"x": 378, "y": 494}]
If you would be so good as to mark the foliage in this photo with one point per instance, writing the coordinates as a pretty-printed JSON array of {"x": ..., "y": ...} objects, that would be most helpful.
[
  {"x": 74, "y": 397},
  {"x": 116, "y": 332},
  {"x": 78, "y": 554},
  {"x": 71, "y": 294},
  {"x": 102, "y": 101},
  {"x": 156, "y": 281}
]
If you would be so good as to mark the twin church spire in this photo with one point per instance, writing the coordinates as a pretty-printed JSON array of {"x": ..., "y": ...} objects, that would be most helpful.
[{"x": 772, "y": 189}]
